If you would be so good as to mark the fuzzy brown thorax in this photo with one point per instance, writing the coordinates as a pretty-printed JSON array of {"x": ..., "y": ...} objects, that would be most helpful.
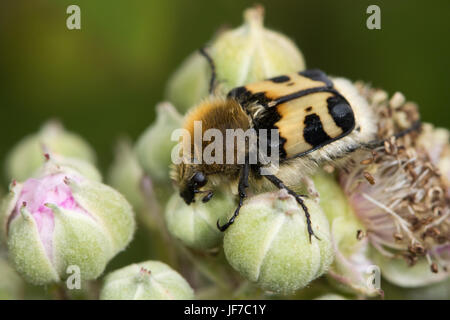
[{"x": 217, "y": 114}]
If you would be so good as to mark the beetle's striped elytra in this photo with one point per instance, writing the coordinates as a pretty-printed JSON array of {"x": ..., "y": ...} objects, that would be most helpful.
[{"x": 305, "y": 107}]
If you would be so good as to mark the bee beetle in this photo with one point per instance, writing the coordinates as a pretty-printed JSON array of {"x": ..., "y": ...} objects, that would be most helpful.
[{"x": 317, "y": 120}]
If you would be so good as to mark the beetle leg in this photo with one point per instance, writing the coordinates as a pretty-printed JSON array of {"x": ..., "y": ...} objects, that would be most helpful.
[
  {"x": 243, "y": 185},
  {"x": 208, "y": 58},
  {"x": 280, "y": 185}
]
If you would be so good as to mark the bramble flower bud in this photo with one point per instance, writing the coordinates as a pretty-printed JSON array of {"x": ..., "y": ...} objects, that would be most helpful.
[
  {"x": 63, "y": 219},
  {"x": 246, "y": 54},
  {"x": 331, "y": 296},
  {"x": 269, "y": 243},
  {"x": 28, "y": 155},
  {"x": 86, "y": 169},
  {"x": 126, "y": 174},
  {"x": 195, "y": 224},
  {"x": 189, "y": 84},
  {"x": 154, "y": 147},
  {"x": 150, "y": 280},
  {"x": 11, "y": 285}
]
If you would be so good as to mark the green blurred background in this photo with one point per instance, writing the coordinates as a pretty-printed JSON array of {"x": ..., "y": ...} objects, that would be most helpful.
[{"x": 104, "y": 80}]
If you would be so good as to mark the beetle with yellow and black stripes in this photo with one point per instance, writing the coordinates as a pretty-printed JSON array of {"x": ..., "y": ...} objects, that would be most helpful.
[{"x": 318, "y": 119}]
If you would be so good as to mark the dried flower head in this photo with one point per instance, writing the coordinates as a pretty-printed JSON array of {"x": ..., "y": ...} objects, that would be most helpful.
[{"x": 397, "y": 190}]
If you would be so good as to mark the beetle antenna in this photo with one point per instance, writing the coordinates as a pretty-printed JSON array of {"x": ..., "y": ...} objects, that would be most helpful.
[
  {"x": 378, "y": 143},
  {"x": 208, "y": 58}
]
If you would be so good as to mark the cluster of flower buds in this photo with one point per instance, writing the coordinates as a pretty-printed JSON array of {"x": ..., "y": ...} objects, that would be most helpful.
[
  {"x": 60, "y": 216},
  {"x": 410, "y": 221},
  {"x": 269, "y": 243},
  {"x": 386, "y": 208}
]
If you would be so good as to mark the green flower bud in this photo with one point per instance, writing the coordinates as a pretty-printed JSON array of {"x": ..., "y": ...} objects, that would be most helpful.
[
  {"x": 74, "y": 165},
  {"x": 189, "y": 84},
  {"x": 126, "y": 175},
  {"x": 150, "y": 280},
  {"x": 195, "y": 224},
  {"x": 331, "y": 296},
  {"x": 28, "y": 155},
  {"x": 62, "y": 219},
  {"x": 11, "y": 285},
  {"x": 269, "y": 243},
  {"x": 154, "y": 147},
  {"x": 243, "y": 55}
]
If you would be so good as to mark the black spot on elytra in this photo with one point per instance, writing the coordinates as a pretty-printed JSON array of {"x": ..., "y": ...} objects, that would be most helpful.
[
  {"x": 342, "y": 113},
  {"x": 280, "y": 79},
  {"x": 313, "y": 133},
  {"x": 266, "y": 120},
  {"x": 308, "y": 109},
  {"x": 317, "y": 75}
]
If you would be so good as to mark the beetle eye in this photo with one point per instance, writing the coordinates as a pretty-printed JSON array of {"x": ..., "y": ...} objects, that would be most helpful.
[{"x": 199, "y": 179}]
